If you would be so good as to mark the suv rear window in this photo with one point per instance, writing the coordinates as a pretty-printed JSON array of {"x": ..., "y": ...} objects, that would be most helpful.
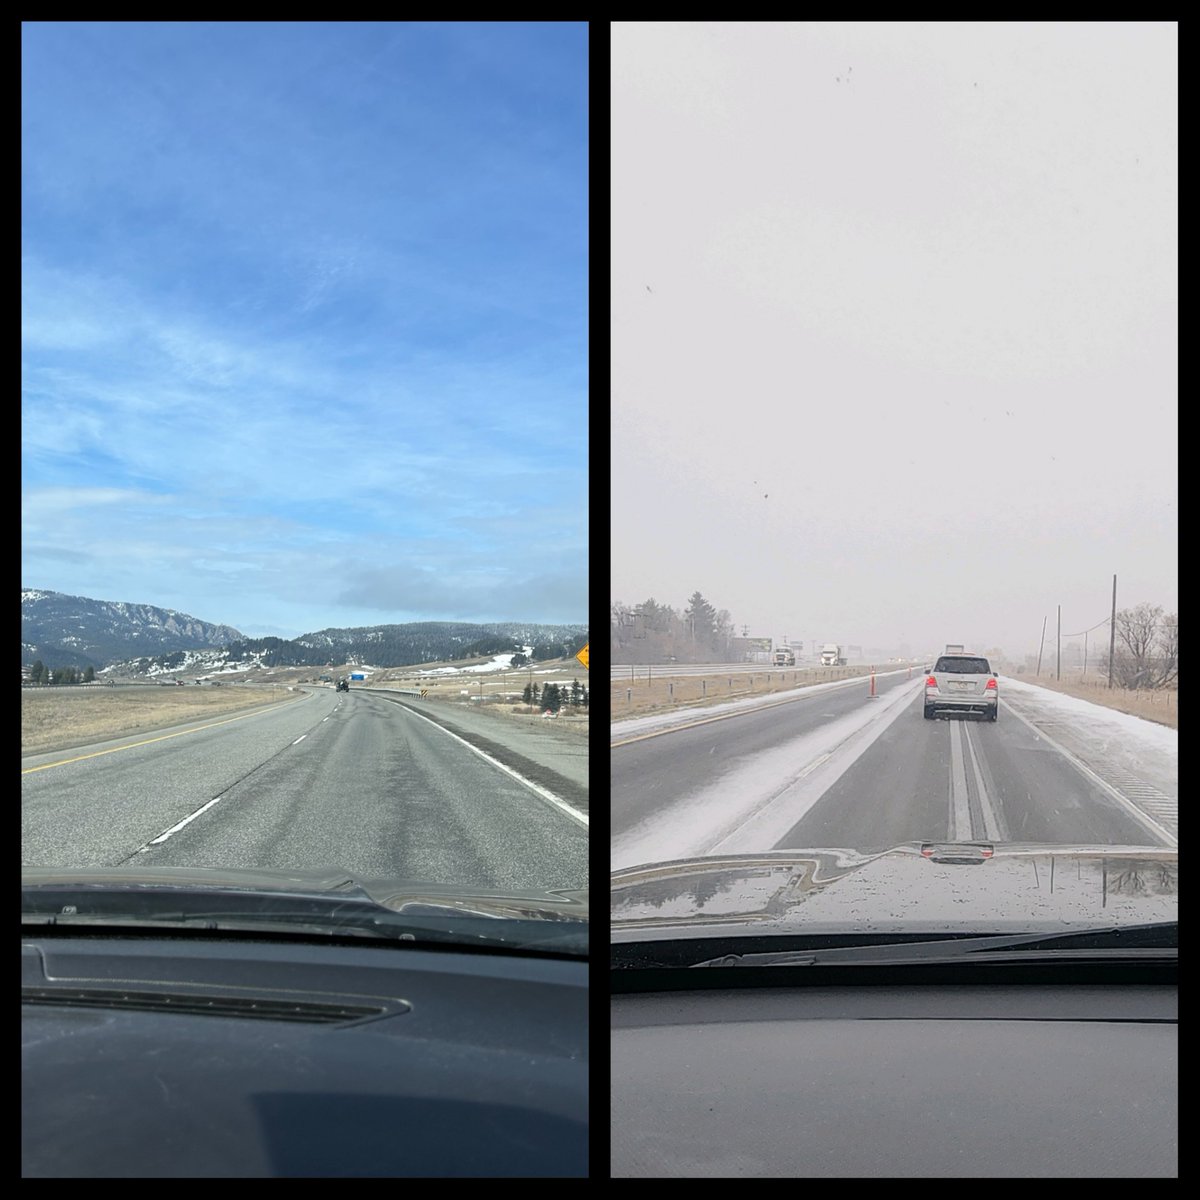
[{"x": 951, "y": 665}]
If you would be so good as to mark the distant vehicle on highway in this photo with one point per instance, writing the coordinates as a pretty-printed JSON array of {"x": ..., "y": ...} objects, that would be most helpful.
[
  {"x": 832, "y": 655},
  {"x": 962, "y": 683},
  {"x": 343, "y": 685}
]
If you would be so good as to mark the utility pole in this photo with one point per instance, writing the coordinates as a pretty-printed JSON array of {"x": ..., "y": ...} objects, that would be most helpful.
[
  {"x": 1112, "y": 633},
  {"x": 1058, "y": 647},
  {"x": 1041, "y": 646}
]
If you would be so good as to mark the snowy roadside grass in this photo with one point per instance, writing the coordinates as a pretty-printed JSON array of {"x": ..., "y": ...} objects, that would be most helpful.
[
  {"x": 743, "y": 701},
  {"x": 1131, "y": 728},
  {"x": 1160, "y": 706}
]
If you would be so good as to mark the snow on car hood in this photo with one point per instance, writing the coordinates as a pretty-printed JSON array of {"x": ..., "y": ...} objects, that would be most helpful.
[{"x": 969, "y": 887}]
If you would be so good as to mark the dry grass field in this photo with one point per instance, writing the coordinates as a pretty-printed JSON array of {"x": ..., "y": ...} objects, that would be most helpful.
[
  {"x": 568, "y": 720},
  {"x": 58, "y": 718},
  {"x": 497, "y": 694}
]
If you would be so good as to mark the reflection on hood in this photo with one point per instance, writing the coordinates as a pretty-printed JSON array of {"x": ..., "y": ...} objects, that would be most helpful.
[{"x": 931, "y": 886}]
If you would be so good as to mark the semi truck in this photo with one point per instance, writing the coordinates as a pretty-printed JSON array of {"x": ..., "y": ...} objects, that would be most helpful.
[
  {"x": 785, "y": 656},
  {"x": 832, "y": 656},
  {"x": 953, "y": 648}
]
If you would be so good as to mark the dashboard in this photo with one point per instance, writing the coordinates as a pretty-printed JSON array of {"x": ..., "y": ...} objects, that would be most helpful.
[
  {"x": 180, "y": 1057},
  {"x": 894, "y": 1081}
]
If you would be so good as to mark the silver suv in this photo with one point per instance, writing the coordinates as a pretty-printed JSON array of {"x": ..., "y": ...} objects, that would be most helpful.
[{"x": 962, "y": 683}]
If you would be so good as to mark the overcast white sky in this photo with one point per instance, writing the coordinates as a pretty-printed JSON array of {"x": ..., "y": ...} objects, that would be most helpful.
[{"x": 894, "y": 320}]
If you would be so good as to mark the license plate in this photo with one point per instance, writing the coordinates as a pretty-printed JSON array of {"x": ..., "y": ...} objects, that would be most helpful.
[{"x": 963, "y": 687}]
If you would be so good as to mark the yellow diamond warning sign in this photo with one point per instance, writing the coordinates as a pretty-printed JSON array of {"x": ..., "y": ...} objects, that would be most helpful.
[{"x": 582, "y": 656}]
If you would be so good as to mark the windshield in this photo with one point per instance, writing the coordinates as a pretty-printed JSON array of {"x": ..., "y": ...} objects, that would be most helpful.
[
  {"x": 304, "y": 464},
  {"x": 963, "y": 666},
  {"x": 884, "y": 295}
]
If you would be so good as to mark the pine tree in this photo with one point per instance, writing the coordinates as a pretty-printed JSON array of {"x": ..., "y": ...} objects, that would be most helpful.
[
  {"x": 89, "y": 675},
  {"x": 576, "y": 692},
  {"x": 702, "y": 620},
  {"x": 37, "y": 672}
]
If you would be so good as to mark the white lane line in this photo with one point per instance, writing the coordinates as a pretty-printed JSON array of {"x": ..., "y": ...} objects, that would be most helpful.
[
  {"x": 994, "y": 827},
  {"x": 537, "y": 789},
  {"x": 1163, "y": 822},
  {"x": 960, "y": 809},
  {"x": 300, "y": 739},
  {"x": 162, "y": 837}
]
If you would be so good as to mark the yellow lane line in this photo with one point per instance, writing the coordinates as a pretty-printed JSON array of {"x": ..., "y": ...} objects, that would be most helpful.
[{"x": 63, "y": 762}]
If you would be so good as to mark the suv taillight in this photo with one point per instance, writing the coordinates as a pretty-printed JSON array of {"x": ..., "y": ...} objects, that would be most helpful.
[
  {"x": 991, "y": 683},
  {"x": 931, "y": 682}
]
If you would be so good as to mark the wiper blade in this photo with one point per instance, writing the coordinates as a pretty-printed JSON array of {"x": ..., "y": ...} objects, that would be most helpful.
[
  {"x": 334, "y": 916},
  {"x": 229, "y": 920},
  {"x": 1108, "y": 944}
]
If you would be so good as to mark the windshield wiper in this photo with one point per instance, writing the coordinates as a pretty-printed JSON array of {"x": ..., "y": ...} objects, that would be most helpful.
[
  {"x": 1116, "y": 942},
  {"x": 334, "y": 916},
  {"x": 1110, "y": 943}
]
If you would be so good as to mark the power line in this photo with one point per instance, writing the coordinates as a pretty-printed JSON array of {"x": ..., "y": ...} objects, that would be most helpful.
[{"x": 1155, "y": 625}]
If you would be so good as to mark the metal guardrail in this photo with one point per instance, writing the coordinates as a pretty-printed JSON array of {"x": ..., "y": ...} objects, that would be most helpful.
[{"x": 630, "y": 673}]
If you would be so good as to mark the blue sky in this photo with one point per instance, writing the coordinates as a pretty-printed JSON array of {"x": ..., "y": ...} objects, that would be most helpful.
[{"x": 305, "y": 319}]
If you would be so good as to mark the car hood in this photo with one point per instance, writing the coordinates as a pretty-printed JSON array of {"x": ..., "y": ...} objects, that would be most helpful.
[
  {"x": 410, "y": 898},
  {"x": 933, "y": 887}
]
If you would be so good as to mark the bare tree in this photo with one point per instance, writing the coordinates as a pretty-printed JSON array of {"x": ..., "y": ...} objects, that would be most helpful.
[
  {"x": 620, "y": 626},
  {"x": 1168, "y": 647},
  {"x": 1147, "y": 654}
]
